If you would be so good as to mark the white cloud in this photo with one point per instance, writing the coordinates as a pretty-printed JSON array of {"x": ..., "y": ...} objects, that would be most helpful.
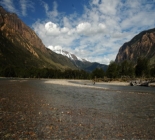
[
  {"x": 52, "y": 28},
  {"x": 108, "y": 7},
  {"x": 88, "y": 29},
  {"x": 50, "y": 14},
  {"x": 9, "y": 5},
  {"x": 55, "y": 48},
  {"x": 83, "y": 27},
  {"x": 100, "y": 31},
  {"x": 66, "y": 22},
  {"x": 64, "y": 30},
  {"x": 25, "y": 5}
]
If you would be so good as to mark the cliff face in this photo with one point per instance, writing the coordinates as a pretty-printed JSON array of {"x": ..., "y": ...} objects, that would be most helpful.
[
  {"x": 142, "y": 45},
  {"x": 20, "y": 41},
  {"x": 11, "y": 25}
]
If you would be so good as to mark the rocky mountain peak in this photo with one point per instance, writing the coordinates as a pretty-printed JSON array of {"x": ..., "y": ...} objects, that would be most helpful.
[
  {"x": 142, "y": 45},
  {"x": 68, "y": 54}
]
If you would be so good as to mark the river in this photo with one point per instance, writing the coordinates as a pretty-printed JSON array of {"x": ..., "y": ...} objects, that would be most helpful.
[{"x": 35, "y": 109}]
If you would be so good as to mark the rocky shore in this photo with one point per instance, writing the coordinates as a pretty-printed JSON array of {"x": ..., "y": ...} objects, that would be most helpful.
[{"x": 40, "y": 109}]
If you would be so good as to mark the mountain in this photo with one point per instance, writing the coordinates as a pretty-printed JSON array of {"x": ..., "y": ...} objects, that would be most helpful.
[
  {"x": 80, "y": 62},
  {"x": 142, "y": 45},
  {"x": 68, "y": 54},
  {"x": 21, "y": 47},
  {"x": 90, "y": 66}
]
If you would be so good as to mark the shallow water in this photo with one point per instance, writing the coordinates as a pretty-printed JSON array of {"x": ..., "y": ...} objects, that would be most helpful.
[
  {"x": 129, "y": 88},
  {"x": 119, "y": 87}
]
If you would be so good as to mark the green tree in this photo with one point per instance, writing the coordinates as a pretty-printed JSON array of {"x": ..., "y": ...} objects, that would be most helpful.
[
  {"x": 142, "y": 68},
  {"x": 9, "y": 71},
  {"x": 152, "y": 71},
  {"x": 126, "y": 68},
  {"x": 98, "y": 73},
  {"x": 112, "y": 71}
]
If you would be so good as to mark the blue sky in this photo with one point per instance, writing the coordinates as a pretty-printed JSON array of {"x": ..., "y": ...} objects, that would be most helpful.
[{"x": 91, "y": 29}]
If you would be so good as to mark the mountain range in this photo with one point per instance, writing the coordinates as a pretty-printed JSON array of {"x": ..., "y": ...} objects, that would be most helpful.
[
  {"x": 21, "y": 47},
  {"x": 81, "y": 63}
]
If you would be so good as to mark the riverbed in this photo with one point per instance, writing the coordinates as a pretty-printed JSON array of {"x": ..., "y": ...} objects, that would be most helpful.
[{"x": 67, "y": 109}]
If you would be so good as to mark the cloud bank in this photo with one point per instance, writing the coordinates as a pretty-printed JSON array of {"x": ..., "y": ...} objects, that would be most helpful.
[{"x": 100, "y": 31}]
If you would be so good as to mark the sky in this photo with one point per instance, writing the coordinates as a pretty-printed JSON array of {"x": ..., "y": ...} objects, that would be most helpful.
[{"x": 90, "y": 29}]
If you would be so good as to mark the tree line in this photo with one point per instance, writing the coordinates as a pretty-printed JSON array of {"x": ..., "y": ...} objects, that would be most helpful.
[
  {"x": 127, "y": 69},
  {"x": 114, "y": 70},
  {"x": 142, "y": 69},
  {"x": 11, "y": 71}
]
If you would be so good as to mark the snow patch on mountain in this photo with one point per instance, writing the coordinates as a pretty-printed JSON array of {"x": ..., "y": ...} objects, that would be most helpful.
[{"x": 58, "y": 50}]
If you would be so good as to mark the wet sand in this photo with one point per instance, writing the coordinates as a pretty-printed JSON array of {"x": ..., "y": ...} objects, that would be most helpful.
[{"x": 43, "y": 109}]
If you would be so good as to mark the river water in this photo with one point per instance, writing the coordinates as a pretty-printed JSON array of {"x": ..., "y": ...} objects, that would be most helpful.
[
  {"x": 129, "y": 88},
  {"x": 117, "y": 112},
  {"x": 126, "y": 88}
]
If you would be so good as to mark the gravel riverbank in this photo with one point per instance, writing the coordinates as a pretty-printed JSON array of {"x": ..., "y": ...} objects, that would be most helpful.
[{"x": 43, "y": 109}]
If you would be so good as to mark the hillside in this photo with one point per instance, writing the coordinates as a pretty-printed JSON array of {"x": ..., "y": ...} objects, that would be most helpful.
[
  {"x": 80, "y": 62},
  {"x": 89, "y": 66},
  {"x": 21, "y": 47},
  {"x": 142, "y": 45}
]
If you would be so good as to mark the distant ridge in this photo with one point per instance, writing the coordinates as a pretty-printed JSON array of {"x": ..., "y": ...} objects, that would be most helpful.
[
  {"x": 80, "y": 62},
  {"x": 69, "y": 55}
]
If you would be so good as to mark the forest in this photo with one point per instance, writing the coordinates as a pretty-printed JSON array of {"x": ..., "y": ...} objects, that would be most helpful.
[{"x": 142, "y": 69}]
